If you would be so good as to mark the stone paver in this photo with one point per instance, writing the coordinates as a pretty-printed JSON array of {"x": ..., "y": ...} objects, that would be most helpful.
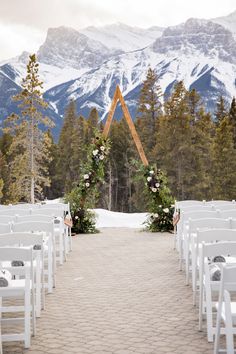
[{"x": 120, "y": 292}]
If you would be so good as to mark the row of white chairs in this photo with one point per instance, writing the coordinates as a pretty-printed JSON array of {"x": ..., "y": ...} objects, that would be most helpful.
[
  {"x": 203, "y": 237},
  {"x": 31, "y": 239}
]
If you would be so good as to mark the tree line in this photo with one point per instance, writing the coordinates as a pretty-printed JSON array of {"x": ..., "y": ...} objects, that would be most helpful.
[{"x": 195, "y": 149}]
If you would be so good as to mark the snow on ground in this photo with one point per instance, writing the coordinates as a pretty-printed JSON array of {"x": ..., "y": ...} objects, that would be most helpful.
[{"x": 106, "y": 218}]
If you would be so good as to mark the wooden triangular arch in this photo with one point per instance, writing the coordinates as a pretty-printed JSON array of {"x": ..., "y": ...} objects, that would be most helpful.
[{"x": 118, "y": 97}]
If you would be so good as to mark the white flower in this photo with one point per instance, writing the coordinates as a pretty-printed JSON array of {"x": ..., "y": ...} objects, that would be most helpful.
[
  {"x": 160, "y": 206},
  {"x": 157, "y": 185},
  {"x": 101, "y": 157},
  {"x": 166, "y": 210},
  {"x": 154, "y": 190},
  {"x": 76, "y": 217},
  {"x": 87, "y": 184},
  {"x": 156, "y": 215},
  {"x": 149, "y": 179},
  {"x": 102, "y": 148},
  {"x": 95, "y": 152},
  {"x": 86, "y": 176},
  {"x": 151, "y": 172}
]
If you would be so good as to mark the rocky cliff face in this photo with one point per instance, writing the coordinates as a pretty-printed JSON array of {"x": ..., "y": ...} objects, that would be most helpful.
[{"x": 87, "y": 66}]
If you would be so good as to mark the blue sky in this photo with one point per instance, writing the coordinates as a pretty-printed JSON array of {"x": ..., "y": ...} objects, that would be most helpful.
[{"x": 24, "y": 23}]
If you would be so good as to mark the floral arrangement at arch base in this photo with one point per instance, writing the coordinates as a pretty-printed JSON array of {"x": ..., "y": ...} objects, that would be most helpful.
[
  {"x": 84, "y": 196},
  {"x": 161, "y": 203}
]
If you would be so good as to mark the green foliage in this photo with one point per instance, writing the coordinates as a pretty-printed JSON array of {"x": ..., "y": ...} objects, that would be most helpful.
[
  {"x": 149, "y": 110},
  {"x": 1, "y": 188},
  {"x": 159, "y": 199},
  {"x": 85, "y": 195},
  {"x": 224, "y": 161},
  {"x": 27, "y": 152}
]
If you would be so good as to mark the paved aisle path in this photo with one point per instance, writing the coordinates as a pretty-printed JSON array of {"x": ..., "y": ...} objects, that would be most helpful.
[{"x": 119, "y": 292}]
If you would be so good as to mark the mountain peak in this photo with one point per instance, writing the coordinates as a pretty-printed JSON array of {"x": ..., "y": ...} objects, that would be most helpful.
[{"x": 206, "y": 37}]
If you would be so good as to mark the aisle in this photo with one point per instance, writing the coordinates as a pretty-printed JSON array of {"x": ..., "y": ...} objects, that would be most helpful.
[{"x": 119, "y": 292}]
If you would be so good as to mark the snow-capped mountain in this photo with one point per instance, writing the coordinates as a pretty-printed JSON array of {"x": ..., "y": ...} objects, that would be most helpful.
[
  {"x": 228, "y": 22},
  {"x": 122, "y": 37},
  {"x": 87, "y": 65}
]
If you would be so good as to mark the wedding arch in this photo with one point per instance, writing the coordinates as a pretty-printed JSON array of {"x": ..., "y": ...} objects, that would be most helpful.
[
  {"x": 83, "y": 197},
  {"x": 119, "y": 97}
]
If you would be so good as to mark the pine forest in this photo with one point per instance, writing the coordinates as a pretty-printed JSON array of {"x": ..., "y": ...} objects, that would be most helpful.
[{"x": 195, "y": 149}]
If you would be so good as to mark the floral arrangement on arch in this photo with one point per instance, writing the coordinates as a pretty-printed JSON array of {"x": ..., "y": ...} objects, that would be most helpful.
[
  {"x": 161, "y": 205},
  {"x": 84, "y": 196}
]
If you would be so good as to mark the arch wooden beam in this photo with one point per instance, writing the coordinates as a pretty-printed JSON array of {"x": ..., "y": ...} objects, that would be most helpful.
[{"x": 119, "y": 97}]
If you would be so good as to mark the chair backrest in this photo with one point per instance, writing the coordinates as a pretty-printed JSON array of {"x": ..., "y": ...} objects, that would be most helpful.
[
  {"x": 208, "y": 223},
  {"x": 14, "y": 211},
  {"x": 220, "y": 202},
  {"x": 200, "y": 214},
  {"x": 33, "y": 226},
  {"x": 25, "y": 254},
  {"x": 5, "y": 228},
  {"x": 34, "y": 217},
  {"x": 5, "y": 219},
  {"x": 213, "y": 235},
  {"x": 16, "y": 253},
  {"x": 225, "y": 206},
  {"x": 197, "y": 207},
  {"x": 21, "y": 239},
  {"x": 49, "y": 211},
  {"x": 228, "y": 213},
  {"x": 219, "y": 248},
  {"x": 59, "y": 206},
  {"x": 21, "y": 206}
]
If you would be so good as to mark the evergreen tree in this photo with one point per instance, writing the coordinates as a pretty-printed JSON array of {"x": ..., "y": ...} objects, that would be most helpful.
[
  {"x": 92, "y": 124},
  {"x": 5, "y": 143},
  {"x": 174, "y": 148},
  {"x": 221, "y": 111},
  {"x": 149, "y": 110},
  {"x": 194, "y": 101},
  {"x": 65, "y": 168},
  {"x": 224, "y": 161},
  {"x": 232, "y": 118},
  {"x": 79, "y": 147},
  {"x": 27, "y": 171},
  {"x": 202, "y": 142}
]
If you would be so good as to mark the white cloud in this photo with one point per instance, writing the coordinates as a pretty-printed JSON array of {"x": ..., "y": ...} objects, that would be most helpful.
[{"x": 23, "y": 23}]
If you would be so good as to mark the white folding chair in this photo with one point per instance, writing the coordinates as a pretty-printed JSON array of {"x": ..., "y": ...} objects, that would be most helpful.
[
  {"x": 207, "y": 236},
  {"x": 207, "y": 286},
  {"x": 16, "y": 288},
  {"x": 49, "y": 246},
  {"x": 191, "y": 231},
  {"x": 59, "y": 229},
  {"x": 197, "y": 214},
  {"x": 35, "y": 240},
  {"x": 226, "y": 310}
]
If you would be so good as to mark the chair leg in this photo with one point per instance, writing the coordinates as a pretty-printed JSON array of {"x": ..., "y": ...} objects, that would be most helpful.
[
  {"x": 209, "y": 318},
  {"x": 0, "y": 326},
  {"x": 27, "y": 331}
]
